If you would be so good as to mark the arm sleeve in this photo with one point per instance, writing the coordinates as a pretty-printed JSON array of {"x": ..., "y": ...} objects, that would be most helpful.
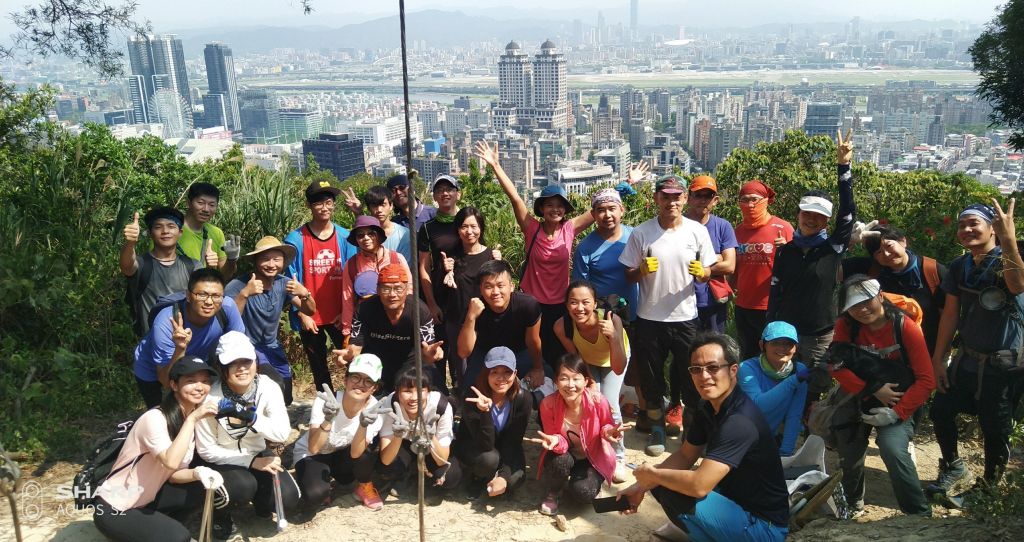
[
  {"x": 727, "y": 236},
  {"x": 581, "y": 262},
  {"x": 480, "y": 426},
  {"x": 553, "y": 425},
  {"x": 840, "y": 238},
  {"x": 233, "y": 288},
  {"x": 793, "y": 424},
  {"x": 295, "y": 266},
  {"x": 921, "y": 364},
  {"x": 774, "y": 400},
  {"x": 357, "y": 337},
  {"x": 427, "y": 332},
  {"x": 777, "y": 290},
  {"x": 512, "y": 457},
  {"x": 163, "y": 345},
  {"x": 272, "y": 422},
  {"x": 422, "y": 239},
  {"x": 445, "y": 434}
]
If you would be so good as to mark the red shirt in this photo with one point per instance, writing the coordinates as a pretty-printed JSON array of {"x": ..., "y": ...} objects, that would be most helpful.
[
  {"x": 754, "y": 259},
  {"x": 322, "y": 275},
  {"x": 920, "y": 361}
]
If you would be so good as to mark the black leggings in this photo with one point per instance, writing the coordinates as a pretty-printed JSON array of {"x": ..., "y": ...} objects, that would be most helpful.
[
  {"x": 404, "y": 465},
  {"x": 315, "y": 472},
  {"x": 577, "y": 477},
  {"x": 246, "y": 485},
  {"x": 154, "y": 521},
  {"x": 484, "y": 465},
  {"x": 551, "y": 347},
  {"x": 315, "y": 345}
]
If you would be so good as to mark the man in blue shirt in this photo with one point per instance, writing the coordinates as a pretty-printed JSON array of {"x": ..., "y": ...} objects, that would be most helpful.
[
  {"x": 596, "y": 258},
  {"x": 189, "y": 327},
  {"x": 262, "y": 299}
]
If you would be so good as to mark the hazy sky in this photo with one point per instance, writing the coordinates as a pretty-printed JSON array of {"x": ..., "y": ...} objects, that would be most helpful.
[{"x": 181, "y": 14}]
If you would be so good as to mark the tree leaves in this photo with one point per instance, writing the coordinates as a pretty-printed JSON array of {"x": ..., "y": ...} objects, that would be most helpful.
[{"x": 998, "y": 56}]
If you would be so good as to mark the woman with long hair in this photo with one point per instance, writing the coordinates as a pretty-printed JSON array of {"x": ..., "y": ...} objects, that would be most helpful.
[
  {"x": 490, "y": 437},
  {"x": 597, "y": 336},
  {"x": 150, "y": 481},
  {"x": 577, "y": 437},
  {"x": 877, "y": 326}
]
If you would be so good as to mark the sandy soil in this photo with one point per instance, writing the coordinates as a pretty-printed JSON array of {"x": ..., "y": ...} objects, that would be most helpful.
[{"x": 47, "y": 515}]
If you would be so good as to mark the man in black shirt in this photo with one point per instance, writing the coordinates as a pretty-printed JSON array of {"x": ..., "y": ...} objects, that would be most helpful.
[
  {"x": 501, "y": 317},
  {"x": 738, "y": 492},
  {"x": 382, "y": 326}
]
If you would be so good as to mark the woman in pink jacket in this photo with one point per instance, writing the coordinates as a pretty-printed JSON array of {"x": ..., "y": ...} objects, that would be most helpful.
[{"x": 577, "y": 438}]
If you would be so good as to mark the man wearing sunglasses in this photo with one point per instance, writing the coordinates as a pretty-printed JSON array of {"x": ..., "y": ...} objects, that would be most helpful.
[{"x": 738, "y": 492}]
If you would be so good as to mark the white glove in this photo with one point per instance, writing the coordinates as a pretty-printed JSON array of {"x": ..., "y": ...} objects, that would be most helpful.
[
  {"x": 232, "y": 247},
  {"x": 331, "y": 406},
  {"x": 449, "y": 279},
  {"x": 210, "y": 478},
  {"x": 862, "y": 231},
  {"x": 880, "y": 417}
]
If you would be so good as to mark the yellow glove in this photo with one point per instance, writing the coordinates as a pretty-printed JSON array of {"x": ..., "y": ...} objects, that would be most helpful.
[
  {"x": 696, "y": 269},
  {"x": 649, "y": 265}
]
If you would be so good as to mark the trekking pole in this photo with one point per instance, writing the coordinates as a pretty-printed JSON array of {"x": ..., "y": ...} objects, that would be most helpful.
[
  {"x": 10, "y": 475},
  {"x": 282, "y": 522},
  {"x": 206, "y": 526}
]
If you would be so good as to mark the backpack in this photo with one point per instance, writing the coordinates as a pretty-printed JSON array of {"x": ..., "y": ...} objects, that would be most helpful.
[
  {"x": 929, "y": 271},
  {"x": 611, "y": 302},
  {"x": 819, "y": 420},
  {"x": 100, "y": 465},
  {"x": 351, "y": 271},
  {"x": 907, "y": 305},
  {"x": 132, "y": 294}
]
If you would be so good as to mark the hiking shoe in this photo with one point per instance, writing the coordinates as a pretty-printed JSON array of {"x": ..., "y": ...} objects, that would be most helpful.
[
  {"x": 223, "y": 527},
  {"x": 954, "y": 479},
  {"x": 674, "y": 420},
  {"x": 367, "y": 494},
  {"x": 655, "y": 441},
  {"x": 475, "y": 488},
  {"x": 671, "y": 533},
  {"x": 550, "y": 505},
  {"x": 643, "y": 423}
]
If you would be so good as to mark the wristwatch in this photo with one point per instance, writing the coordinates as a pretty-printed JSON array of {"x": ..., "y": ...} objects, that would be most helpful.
[
  {"x": 328, "y": 424},
  {"x": 305, "y": 297}
]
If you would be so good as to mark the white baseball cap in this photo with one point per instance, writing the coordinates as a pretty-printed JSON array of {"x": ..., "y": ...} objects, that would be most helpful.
[
  {"x": 234, "y": 345},
  {"x": 816, "y": 204},
  {"x": 367, "y": 364},
  {"x": 861, "y": 292}
]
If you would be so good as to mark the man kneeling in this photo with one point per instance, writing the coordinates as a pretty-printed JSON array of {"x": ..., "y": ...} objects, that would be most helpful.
[{"x": 738, "y": 491}]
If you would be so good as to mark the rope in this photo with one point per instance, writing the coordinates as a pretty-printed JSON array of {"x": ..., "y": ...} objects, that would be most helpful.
[{"x": 418, "y": 428}]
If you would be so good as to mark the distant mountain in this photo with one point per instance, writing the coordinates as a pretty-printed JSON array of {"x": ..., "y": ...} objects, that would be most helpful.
[{"x": 437, "y": 28}]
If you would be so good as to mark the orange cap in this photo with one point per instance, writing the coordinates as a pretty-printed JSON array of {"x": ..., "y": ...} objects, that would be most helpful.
[
  {"x": 703, "y": 182},
  {"x": 392, "y": 273}
]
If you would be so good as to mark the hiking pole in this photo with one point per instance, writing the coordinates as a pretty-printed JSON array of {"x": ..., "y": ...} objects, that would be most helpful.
[
  {"x": 206, "y": 526},
  {"x": 10, "y": 476},
  {"x": 282, "y": 522}
]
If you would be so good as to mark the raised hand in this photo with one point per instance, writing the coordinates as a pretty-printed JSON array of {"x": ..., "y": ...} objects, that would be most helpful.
[
  {"x": 476, "y": 308},
  {"x": 483, "y": 402},
  {"x": 844, "y": 147},
  {"x": 862, "y": 231},
  {"x": 1002, "y": 223},
  {"x": 649, "y": 264},
  {"x": 209, "y": 256},
  {"x": 232, "y": 247},
  {"x": 341, "y": 357},
  {"x": 607, "y": 326},
  {"x": 132, "y": 230},
  {"x": 614, "y": 433},
  {"x": 548, "y": 442},
  {"x": 399, "y": 427},
  {"x": 448, "y": 263},
  {"x": 331, "y": 406},
  {"x": 487, "y": 153},
  {"x": 253, "y": 287},
  {"x": 294, "y": 287},
  {"x": 779, "y": 239},
  {"x": 351, "y": 201},
  {"x": 432, "y": 351},
  {"x": 637, "y": 172},
  {"x": 369, "y": 416},
  {"x": 180, "y": 334},
  {"x": 496, "y": 252}
]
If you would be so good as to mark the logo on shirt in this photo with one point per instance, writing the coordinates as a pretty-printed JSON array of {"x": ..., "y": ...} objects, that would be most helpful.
[{"x": 324, "y": 262}]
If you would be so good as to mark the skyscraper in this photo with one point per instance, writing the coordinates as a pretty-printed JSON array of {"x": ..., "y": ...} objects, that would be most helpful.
[
  {"x": 515, "y": 77},
  {"x": 634, "y": 5},
  {"x": 160, "y": 61},
  {"x": 220, "y": 74},
  {"x": 337, "y": 153},
  {"x": 259, "y": 116},
  {"x": 823, "y": 118},
  {"x": 550, "y": 92}
]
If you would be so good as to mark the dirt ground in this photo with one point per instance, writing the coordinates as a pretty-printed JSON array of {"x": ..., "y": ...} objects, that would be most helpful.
[{"x": 47, "y": 512}]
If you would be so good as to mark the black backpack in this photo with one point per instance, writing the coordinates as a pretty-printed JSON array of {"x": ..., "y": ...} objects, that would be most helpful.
[
  {"x": 133, "y": 293},
  {"x": 100, "y": 465}
]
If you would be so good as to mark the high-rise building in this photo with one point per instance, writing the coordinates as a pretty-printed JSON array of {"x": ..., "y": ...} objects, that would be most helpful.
[
  {"x": 138, "y": 96},
  {"x": 296, "y": 124},
  {"x": 634, "y": 6},
  {"x": 337, "y": 153},
  {"x": 160, "y": 61},
  {"x": 259, "y": 117},
  {"x": 515, "y": 77},
  {"x": 220, "y": 74},
  {"x": 214, "y": 111},
  {"x": 550, "y": 89},
  {"x": 823, "y": 118}
]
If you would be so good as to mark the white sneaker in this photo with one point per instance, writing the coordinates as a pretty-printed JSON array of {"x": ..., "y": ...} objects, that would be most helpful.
[
  {"x": 670, "y": 532},
  {"x": 620, "y": 474}
]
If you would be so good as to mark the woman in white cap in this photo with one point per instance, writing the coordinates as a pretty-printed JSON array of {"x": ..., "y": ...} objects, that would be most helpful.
[
  {"x": 150, "y": 479},
  {"x": 342, "y": 428},
  {"x": 490, "y": 438},
  {"x": 250, "y": 414},
  {"x": 875, "y": 325},
  {"x": 263, "y": 298}
]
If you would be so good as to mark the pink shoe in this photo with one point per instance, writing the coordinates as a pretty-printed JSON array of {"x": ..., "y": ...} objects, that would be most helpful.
[
  {"x": 368, "y": 495},
  {"x": 550, "y": 505}
]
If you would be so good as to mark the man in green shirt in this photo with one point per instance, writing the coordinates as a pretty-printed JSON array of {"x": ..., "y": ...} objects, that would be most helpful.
[{"x": 203, "y": 241}]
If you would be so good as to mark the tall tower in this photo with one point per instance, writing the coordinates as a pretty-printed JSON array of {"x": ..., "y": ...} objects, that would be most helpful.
[
  {"x": 515, "y": 77},
  {"x": 160, "y": 62},
  {"x": 550, "y": 91},
  {"x": 220, "y": 74},
  {"x": 634, "y": 5}
]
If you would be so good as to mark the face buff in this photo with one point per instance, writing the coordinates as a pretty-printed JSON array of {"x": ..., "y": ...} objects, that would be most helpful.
[{"x": 779, "y": 375}]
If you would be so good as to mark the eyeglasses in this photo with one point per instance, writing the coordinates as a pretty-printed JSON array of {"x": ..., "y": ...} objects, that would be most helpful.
[
  {"x": 387, "y": 290},
  {"x": 361, "y": 380},
  {"x": 203, "y": 296},
  {"x": 446, "y": 189},
  {"x": 365, "y": 233},
  {"x": 702, "y": 194},
  {"x": 711, "y": 369},
  {"x": 747, "y": 200},
  {"x": 325, "y": 204}
]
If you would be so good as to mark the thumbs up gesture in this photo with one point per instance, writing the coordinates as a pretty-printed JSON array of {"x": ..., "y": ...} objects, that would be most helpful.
[
  {"x": 209, "y": 256},
  {"x": 649, "y": 264},
  {"x": 253, "y": 287},
  {"x": 132, "y": 230}
]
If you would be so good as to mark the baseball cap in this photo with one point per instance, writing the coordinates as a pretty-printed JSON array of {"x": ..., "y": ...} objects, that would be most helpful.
[
  {"x": 779, "y": 330},
  {"x": 861, "y": 292},
  {"x": 234, "y": 345},
  {"x": 670, "y": 184},
  {"x": 190, "y": 365},
  {"x": 605, "y": 195},
  {"x": 552, "y": 191},
  {"x": 392, "y": 273},
  {"x": 816, "y": 204},
  {"x": 703, "y": 182},
  {"x": 317, "y": 188},
  {"x": 366, "y": 221},
  {"x": 365, "y": 284},
  {"x": 367, "y": 364},
  {"x": 442, "y": 178},
  {"x": 398, "y": 180},
  {"x": 500, "y": 355}
]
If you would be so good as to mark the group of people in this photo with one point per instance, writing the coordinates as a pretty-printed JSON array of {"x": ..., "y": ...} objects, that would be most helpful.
[{"x": 644, "y": 306}]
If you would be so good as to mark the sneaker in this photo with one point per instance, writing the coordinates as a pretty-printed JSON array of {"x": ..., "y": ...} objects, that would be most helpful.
[
  {"x": 550, "y": 505},
  {"x": 223, "y": 527},
  {"x": 368, "y": 495},
  {"x": 655, "y": 441},
  {"x": 643, "y": 423},
  {"x": 619, "y": 475},
  {"x": 674, "y": 420},
  {"x": 475, "y": 488},
  {"x": 954, "y": 479},
  {"x": 672, "y": 533}
]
